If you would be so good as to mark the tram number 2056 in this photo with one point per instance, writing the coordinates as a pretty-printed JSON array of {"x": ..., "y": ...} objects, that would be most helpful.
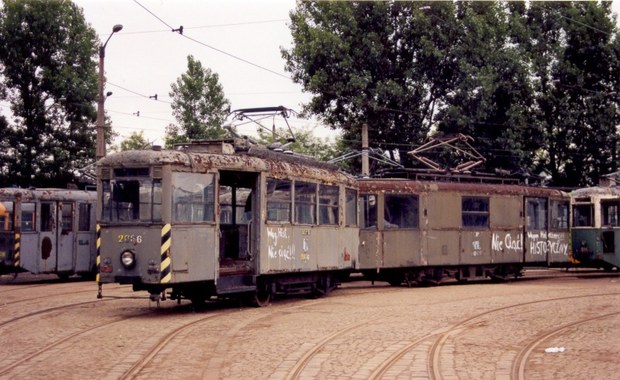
[{"x": 125, "y": 238}]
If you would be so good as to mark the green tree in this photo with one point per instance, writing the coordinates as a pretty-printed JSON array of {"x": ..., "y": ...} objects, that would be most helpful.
[
  {"x": 135, "y": 141},
  {"x": 574, "y": 51},
  {"x": 534, "y": 83},
  {"x": 49, "y": 77},
  {"x": 305, "y": 143},
  {"x": 492, "y": 95},
  {"x": 381, "y": 63},
  {"x": 198, "y": 104}
]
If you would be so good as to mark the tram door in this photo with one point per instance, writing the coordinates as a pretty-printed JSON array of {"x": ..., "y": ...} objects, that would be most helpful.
[
  {"x": 56, "y": 237},
  {"x": 536, "y": 230},
  {"x": 237, "y": 195}
]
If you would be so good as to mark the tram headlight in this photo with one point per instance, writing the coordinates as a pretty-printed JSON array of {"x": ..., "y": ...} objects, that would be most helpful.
[{"x": 128, "y": 259}]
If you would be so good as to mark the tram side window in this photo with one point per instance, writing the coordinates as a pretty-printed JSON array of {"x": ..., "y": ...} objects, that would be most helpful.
[
  {"x": 278, "y": 200},
  {"x": 559, "y": 215},
  {"x": 6, "y": 216},
  {"x": 368, "y": 211},
  {"x": 193, "y": 197},
  {"x": 67, "y": 218},
  {"x": 475, "y": 211},
  {"x": 328, "y": 205},
  {"x": 401, "y": 211},
  {"x": 536, "y": 214},
  {"x": 305, "y": 202},
  {"x": 350, "y": 213},
  {"x": 47, "y": 220},
  {"x": 84, "y": 210},
  {"x": 583, "y": 215},
  {"x": 610, "y": 213},
  {"x": 27, "y": 216}
]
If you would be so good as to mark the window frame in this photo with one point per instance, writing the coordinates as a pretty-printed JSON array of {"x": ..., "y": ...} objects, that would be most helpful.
[
  {"x": 474, "y": 214},
  {"x": 278, "y": 206},
  {"x": 328, "y": 210},
  {"x": 389, "y": 212}
]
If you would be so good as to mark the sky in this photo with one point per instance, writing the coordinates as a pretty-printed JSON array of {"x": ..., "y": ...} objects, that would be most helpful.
[{"x": 240, "y": 40}]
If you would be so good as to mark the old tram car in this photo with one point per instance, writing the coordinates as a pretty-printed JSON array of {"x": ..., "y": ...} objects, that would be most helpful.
[
  {"x": 223, "y": 218},
  {"x": 596, "y": 226},
  {"x": 435, "y": 227},
  {"x": 47, "y": 231}
]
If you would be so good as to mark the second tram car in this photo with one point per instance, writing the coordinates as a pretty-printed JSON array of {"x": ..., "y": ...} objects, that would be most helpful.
[
  {"x": 223, "y": 218},
  {"x": 596, "y": 226},
  {"x": 47, "y": 231},
  {"x": 458, "y": 226}
]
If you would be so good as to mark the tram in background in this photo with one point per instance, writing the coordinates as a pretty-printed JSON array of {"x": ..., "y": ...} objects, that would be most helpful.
[
  {"x": 47, "y": 230},
  {"x": 596, "y": 225}
]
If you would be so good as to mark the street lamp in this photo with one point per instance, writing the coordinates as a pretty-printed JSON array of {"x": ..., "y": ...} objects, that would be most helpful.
[{"x": 100, "y": 98}]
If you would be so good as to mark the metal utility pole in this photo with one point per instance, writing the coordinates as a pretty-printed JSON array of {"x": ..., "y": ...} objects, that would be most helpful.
[
  {"x": 365, "y": 163},
  {"x": 100, "y": 153}
]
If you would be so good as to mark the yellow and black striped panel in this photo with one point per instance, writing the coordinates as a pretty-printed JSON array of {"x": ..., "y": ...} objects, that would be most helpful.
[
  {"x": 17, "y": 244},
  {"x": 165, "y": 270},
  {"x": 98, "y": 277}
]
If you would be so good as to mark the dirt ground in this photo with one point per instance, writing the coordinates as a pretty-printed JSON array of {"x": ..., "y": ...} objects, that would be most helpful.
[{"x": 548, "y": 325}]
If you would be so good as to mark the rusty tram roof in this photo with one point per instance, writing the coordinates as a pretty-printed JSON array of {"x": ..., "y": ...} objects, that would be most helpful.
[
  {"x": 398, "y": 185},
  {"x": 10, "y": 193},
  {"x": 254, "y": 158}
]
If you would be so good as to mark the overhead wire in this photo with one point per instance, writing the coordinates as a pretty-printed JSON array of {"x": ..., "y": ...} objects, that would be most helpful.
[{"x": 212, "y": 47}]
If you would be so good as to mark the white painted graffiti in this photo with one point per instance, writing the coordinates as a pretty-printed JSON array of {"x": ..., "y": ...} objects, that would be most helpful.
[
  {"x": 280, "y": 244},
  {"x": 476, "y": 246},
  {"x": 542, "y": 243},
  {"x": 508, "y": 243}
]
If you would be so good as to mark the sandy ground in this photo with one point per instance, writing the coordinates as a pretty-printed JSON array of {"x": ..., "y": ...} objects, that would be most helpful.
[{"x": 549, "y": 325}]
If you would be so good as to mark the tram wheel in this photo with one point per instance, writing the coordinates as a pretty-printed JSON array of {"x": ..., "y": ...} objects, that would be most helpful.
[{"x": 262, "y": 296}]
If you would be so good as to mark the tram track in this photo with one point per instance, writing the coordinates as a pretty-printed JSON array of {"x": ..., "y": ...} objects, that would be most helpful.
[
  {"x": 436, "y": 340},
  {"x": 340, "y": 335},
  {"x": 50, "y": 310},
  {"x": 434, "y": 364},
  {"x": 47, "y": 295},
  {"x": 50, "y": 346},
  {"x": 519, "y": 364}
]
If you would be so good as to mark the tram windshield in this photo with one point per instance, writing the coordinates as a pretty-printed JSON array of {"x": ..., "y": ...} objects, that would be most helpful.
[{"x": 132, "y": 200}]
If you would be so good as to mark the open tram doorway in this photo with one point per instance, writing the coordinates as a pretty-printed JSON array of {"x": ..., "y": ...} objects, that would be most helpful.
[{"x": 238, "y": 201}]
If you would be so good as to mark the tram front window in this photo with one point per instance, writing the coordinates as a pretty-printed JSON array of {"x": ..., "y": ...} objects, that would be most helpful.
[{"x": 131, "y": 200}]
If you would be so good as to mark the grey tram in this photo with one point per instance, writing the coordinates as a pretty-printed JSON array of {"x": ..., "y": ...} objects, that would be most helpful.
[
  {"x": 47, "y": 231},
  {"x": 224, "y": 218},
  {"x": 434, "y": 227}
]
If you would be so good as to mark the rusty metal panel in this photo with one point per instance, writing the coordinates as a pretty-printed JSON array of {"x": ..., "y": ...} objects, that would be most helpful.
[
  {"x": 506, "y": 211},
  {"x": 371, "y": 249},
  {"x": 287, "y": 248},
  {"x": 194, "y": 252},
  {"x": 442, "y": 247},
  {"x": 401, "y": 248},
  {"x": 441, "y": 210}
]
